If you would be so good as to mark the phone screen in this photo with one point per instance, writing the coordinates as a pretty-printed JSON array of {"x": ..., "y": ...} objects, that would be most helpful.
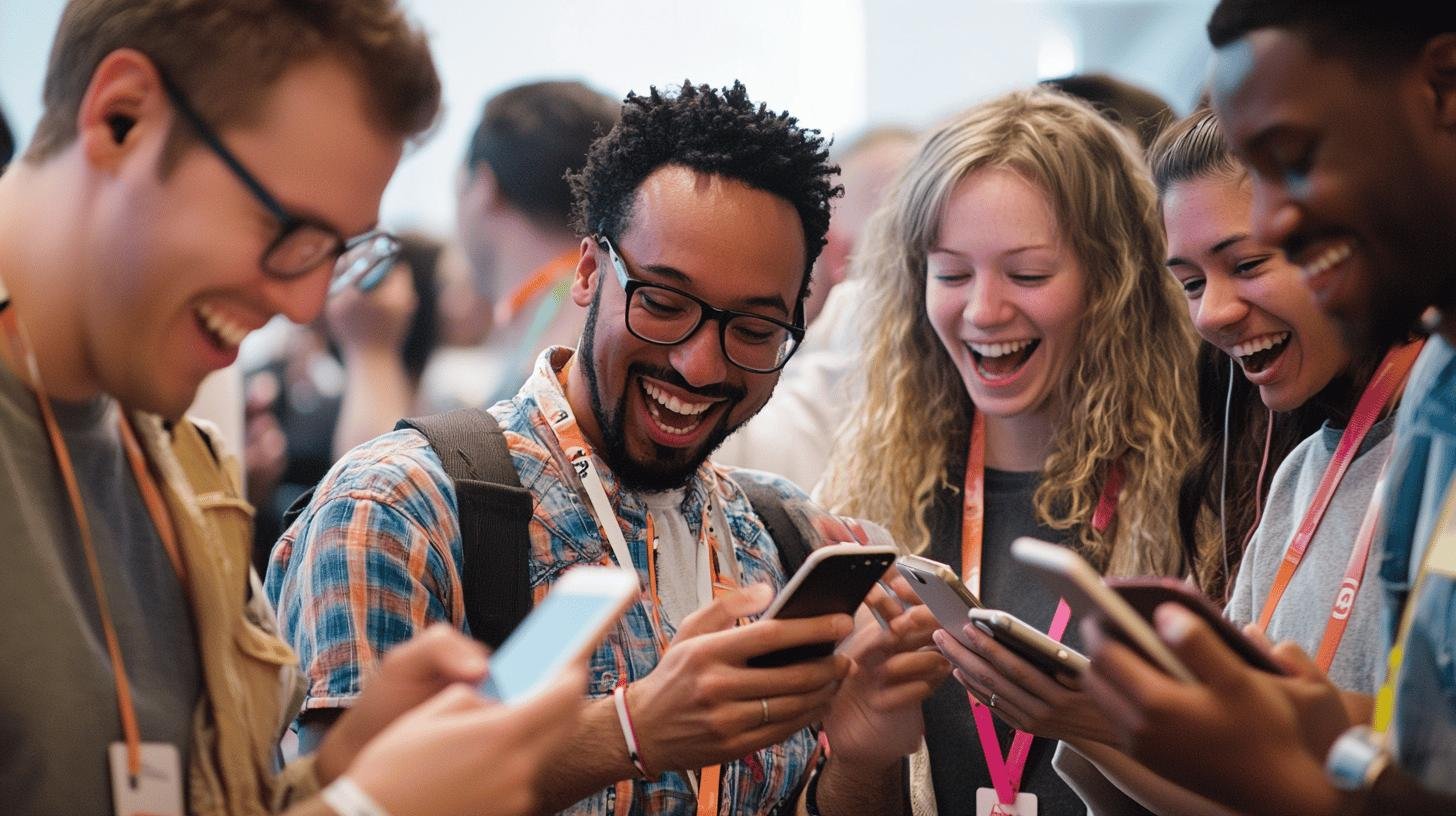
[{"x": 545, "y": 640}]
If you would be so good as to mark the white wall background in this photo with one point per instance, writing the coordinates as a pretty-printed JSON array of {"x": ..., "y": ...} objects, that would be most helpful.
[{"x": 838, "y": 65}]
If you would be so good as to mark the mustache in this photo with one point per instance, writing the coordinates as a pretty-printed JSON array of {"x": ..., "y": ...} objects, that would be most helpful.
[{"x": 671, "y": 377}]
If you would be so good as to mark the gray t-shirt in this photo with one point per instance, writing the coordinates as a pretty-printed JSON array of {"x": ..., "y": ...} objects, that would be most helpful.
[
  {"x": 58, "y": 710},
  {"x": 1304, "y": 611}
]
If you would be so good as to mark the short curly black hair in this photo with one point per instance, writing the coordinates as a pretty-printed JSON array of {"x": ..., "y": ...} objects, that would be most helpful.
[
  {"x": 1374, "y": 33},
  {"x": 715, "y": 131}
]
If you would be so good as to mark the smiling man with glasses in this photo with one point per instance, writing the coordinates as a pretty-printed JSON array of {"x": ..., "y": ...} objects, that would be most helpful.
[
  {"x": 154, "y": 220},
  {"x": 701, "y": 215}
]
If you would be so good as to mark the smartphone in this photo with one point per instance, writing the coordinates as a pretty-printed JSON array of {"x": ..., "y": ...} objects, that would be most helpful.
[
  {"x": 942, "y": 592},
  {"x": 833, "y": 579},
  {"x": 1146, "y": 594},
  {"x": 565, "y": 627},
  {"x": 1085, "y": 590},
  {"x": 1029, "y": 643}
]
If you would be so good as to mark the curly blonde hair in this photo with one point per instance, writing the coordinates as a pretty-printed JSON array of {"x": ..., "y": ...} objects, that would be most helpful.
[{"x": 1127, "y": 396}]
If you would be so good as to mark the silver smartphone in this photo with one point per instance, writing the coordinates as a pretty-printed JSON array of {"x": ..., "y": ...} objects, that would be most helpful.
[
  {"x": 1028, "y": 642},
  {"x": 942, "y": 592}
]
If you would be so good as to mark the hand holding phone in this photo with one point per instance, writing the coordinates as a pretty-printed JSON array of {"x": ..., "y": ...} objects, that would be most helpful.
[
  {"x": 1029, "y": 643},
  {"x": 833, "y": 579},
  {"x": 566, "y": 626},
  {"x": 1086, "y": 591}
]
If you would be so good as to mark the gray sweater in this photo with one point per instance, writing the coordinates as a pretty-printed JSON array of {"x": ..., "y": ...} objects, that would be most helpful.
[{"x": 1301, "y": 616}]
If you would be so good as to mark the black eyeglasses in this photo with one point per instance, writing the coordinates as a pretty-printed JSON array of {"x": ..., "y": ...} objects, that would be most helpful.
[
  {"x": 667, "y": 316},
  {"x": 302, "y": 243}
]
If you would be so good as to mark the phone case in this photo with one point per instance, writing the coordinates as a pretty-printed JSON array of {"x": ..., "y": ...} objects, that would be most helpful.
[
  {"x": 834, "y": 579},
  {"x": 1029, "y": 643},
  {"x": 1146, "y": 594},
  {"x": 942, "y": 592}
]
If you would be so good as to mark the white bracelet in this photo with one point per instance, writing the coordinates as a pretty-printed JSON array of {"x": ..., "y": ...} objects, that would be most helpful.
[
  {"x": 624, "y": 718},
  {"x": 348, "y": 799}
]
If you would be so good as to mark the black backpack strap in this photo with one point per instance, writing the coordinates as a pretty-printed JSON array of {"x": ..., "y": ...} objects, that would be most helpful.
[
  {"x": 768, "y": 505},
  {"x": 494, "y": 515}
]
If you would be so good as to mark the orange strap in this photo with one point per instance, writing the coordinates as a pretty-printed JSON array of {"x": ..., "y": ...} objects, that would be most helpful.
[
  {"x": 540, "y": 279},
  {"x": 25, "y": 355},
  {"x": 1006, "y": 772},
  {"x": 1384, "y": 386}
]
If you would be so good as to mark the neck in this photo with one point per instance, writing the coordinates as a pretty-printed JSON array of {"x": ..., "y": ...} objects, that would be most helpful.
[
  {"x": 521, "y": 248},
  {"x": 40, "y": 264},
  {"x": 578, "y": 396},
  {"x": 1018, "y": 443}
]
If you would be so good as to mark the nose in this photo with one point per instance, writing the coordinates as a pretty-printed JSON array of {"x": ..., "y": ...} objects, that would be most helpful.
[
  {"x": 1220, "y": 309},
  {"x": 699, "y": 359},
  {"x": 300, "y": 299},
  {"x": 986, "y": 304},
  {"x": 1275, "y": 214}
]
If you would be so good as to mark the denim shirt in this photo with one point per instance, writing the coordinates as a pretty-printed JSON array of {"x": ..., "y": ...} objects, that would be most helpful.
[
  {"x": 375, "y": 559},
  {"x": 1421, "y": 471}
]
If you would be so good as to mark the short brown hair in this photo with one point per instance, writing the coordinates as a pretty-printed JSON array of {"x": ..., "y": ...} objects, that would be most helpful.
[{"x": 226, "y": 55}]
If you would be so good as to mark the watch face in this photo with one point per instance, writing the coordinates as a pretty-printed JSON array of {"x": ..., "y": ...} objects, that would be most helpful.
[{"x": 1355, "y": 759}]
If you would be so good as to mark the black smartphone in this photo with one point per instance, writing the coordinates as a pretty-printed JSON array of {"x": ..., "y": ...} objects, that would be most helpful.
[
  {"x": 833, "y": 579},
  {"x": 1146, "y": 594}
]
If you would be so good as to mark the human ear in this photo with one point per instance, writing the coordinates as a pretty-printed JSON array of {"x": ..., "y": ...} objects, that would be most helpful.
[
  {"x": 585, "y": 280},
  {"x": 123, "y": 106},
  {"x": 1438, "y": 66}
]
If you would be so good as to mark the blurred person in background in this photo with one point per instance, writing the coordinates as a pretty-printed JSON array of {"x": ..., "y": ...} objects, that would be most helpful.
[
  {"x": 514, "y": 224},
  {"x": 312, "y": 392},
  {"x": 1137, "y": 109},
  {"x": 794, "y": 432}
]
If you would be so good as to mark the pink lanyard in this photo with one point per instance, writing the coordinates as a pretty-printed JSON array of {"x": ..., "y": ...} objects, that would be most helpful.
[
  {"x": 1383, "y": 387},
  {"x": 1006, "y": 773}
]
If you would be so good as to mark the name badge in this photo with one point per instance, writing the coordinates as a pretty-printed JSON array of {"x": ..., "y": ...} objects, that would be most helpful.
[
  {"x": 158, "y": 788},
  {"x": 988, "y": 805}
]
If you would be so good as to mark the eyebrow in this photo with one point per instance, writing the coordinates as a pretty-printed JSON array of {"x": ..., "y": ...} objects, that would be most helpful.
[
  {"x": 1218, "y": 247},
  {"x": 682, "y": 280},
  {"x": 1008, "y": 253}
]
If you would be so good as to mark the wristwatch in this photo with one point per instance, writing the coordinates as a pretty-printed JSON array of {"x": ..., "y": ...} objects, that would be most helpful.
[{"x": 1356, "y": 759}]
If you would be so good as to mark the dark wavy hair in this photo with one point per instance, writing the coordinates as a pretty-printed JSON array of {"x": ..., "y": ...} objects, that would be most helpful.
[{"x": 720, "y": 132}]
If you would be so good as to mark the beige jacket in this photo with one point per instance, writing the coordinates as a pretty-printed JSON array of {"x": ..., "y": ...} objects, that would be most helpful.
[{"x": 252, "y": 687}]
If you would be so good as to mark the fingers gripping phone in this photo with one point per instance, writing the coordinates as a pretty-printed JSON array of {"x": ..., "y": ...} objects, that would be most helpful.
[
  {"x": 1085, "y": 590},
  {"x": 565, "y": 627},
  {"x": 953, "y": 604},
  {"x": 833, "y": 579},
  {"x": 942, "y": 592},
  {"x": 1146, "y": 594},
  {"x": 1029, "y": 643}
]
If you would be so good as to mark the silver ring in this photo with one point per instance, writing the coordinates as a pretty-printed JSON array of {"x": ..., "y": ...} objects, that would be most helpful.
[
  {"x": 763, "y": 701},
  {"x": 992, "y": 703}
]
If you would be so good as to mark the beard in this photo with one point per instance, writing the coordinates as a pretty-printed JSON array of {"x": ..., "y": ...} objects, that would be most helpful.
[{"x": 672, "y": 467}]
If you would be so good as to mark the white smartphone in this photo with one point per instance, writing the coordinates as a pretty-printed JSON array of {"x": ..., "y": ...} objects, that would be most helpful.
[
  {"x": 832, "y": 579},
  {"x": 564, "y": 627},
  {"x": 942, "y": 592},
  {"x": 1029, "y": 643},
  {"x": 1085, "y": 590}
]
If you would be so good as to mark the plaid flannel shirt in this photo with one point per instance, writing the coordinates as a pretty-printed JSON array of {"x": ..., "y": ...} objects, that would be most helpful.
[{"x": 375, "y": 558}]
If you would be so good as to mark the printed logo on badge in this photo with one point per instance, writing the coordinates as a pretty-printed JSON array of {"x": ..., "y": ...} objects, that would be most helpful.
[
  {"x": 987, "y": 804},
  {"x": 1345, "y": 600}
]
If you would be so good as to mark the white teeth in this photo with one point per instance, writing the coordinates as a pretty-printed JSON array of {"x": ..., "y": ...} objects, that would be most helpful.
[
  {"x": 999, "y": 349},
  {"x": 674, "y": 404},
  {"x": 230, "y": 333},
  {"x": 1258, "y": 344},
  {"x": 1327, "y": 259}
]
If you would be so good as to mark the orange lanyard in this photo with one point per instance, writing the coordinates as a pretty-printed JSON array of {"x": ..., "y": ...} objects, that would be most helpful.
[
  {"x": 24, "y": 355},
  {"x": 1383, "y": 387},
  {"x": 707, "y": 783},
  {"x": 540, "y": 279},
  {"x": 1006, "y": 772}
]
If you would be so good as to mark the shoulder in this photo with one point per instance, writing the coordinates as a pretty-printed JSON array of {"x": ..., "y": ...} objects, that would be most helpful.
[{"x": 398, "y": 470}]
